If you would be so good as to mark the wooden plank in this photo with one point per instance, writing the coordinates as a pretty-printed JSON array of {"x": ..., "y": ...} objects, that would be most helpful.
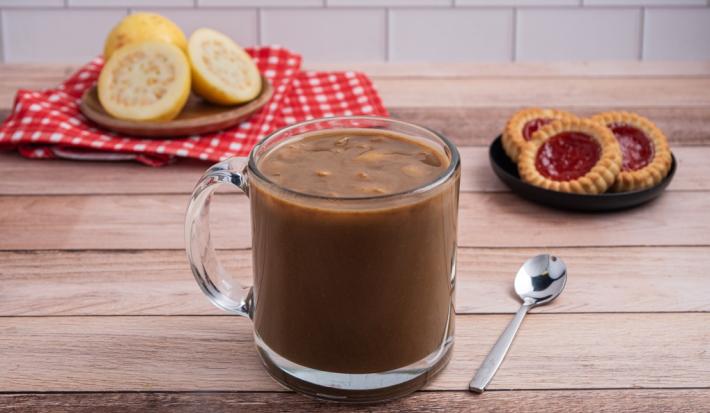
[
  {"x": 448, "y": 69},
  {"x": 468, "y": 126},
  {"x": 485, "y": 220},
  {"x": 27, "y": 177},
  {"x": 649, "y": 279},
  {"x": 12, "y": 72},
  {"x": 511, "y": 92},
  {"x": 32, "y": 76},
  {"x": 28, "y": 76},
  {"x": 107, "y": 283},
  {"x": 606, "y": 85},
  {"x": 599, "y": 279},
  {"x": 522, "y": 69},
  {"x": 114, "y": 222},
  {"x": 57, "y": 177},
  {"x": 525, "y": 401},
  {"x": 505, "y": 220},
  {"x": 40, "y": 76},
  {"x": 576, "y": 351},
  {"x": 18, "y": 71},
  {"x": 479, "y": 125}
]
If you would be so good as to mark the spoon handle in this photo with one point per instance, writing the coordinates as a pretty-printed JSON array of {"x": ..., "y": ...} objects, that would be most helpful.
[{"x": 495, "y": 357}]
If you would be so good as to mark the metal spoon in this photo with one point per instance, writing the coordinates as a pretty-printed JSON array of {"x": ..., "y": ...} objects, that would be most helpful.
[{"x": 540, "y": 280}]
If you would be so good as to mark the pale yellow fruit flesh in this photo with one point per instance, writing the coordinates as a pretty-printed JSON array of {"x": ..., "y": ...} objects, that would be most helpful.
[
  {"x": 147, "y": 81},
  {"x": 222, "y": 72},
  {"x": 140, "y": 27}
]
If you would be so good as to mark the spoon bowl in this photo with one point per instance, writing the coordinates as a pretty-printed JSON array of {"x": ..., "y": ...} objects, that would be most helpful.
[{"x": 540, "y": 279}]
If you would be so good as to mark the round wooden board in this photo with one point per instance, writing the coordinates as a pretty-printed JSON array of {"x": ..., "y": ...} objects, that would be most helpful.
[{"x": 198, "y": 116}]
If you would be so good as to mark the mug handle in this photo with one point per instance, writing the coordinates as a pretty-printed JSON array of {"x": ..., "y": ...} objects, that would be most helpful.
[{"x": 219, "y": 285}]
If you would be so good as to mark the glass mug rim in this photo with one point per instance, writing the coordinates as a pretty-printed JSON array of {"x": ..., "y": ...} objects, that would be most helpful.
[{"x": 426, "y": 187}]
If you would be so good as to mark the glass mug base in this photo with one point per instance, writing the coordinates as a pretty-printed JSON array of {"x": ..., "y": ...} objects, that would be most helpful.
[{"x": 354, "y": 388}]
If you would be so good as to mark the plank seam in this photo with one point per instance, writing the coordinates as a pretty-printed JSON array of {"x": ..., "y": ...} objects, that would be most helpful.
[
  {"x": 226, "y": 250},
  {"x": 218, "y": 391},
  {"x": 187, "y": 194},
  {"x": 533, "y": 312},
  {"x": 541, "y": 77}
]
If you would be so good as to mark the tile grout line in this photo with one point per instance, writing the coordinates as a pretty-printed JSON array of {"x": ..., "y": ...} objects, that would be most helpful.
[
  {"x": 258, "y": 26},
  {"x": 642, "y": 34},
  {"x": 387, "y": 35},
  {"x": 514, "y": 46},
  {"x": 3, "y": 38}
]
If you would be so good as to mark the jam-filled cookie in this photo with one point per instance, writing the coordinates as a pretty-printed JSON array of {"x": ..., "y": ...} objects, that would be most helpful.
[
  {"x": 571, "y": 155},
  {"x": 644, "y": 148},
  {"x": 524, "y": 123}
]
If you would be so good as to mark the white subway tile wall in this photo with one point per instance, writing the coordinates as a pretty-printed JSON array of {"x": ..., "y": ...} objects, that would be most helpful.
[
  {"x": 31, "y": 3},
  {"x": 518, "y": 3},
  {"x": 239, "y": 24},
  {"x": 2, "y": 51},
  {"x": 578, "y": 34},
  {"x": 130, "y": 3},
  {"x": 622, "y": 3},
  {"x": 388, "y": 3},
  {"x": 73, "y": 31},
  {"x": 261, "y": 3},
  {"x": 323, "y": 35},
  {"x": 455, "y": 35},
  {"x": 56, "y": 35},
  {"x": 677, "y": 34}
]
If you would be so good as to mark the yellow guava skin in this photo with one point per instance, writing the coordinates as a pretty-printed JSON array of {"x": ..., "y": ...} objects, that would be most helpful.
[{"x": 139, "y": 27}]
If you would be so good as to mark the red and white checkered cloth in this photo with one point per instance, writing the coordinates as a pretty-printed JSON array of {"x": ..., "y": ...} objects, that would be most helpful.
[{"x": 48, "y": 124}]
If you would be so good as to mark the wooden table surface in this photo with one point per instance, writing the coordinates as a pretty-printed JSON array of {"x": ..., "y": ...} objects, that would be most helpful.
[{"x": 99, "y": 310}]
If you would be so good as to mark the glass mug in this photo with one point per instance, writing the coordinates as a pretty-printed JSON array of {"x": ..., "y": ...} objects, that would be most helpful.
[{"x": 353, "y": 297}]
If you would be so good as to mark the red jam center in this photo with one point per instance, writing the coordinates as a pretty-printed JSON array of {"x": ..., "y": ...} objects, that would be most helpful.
[
  {"x": 533, "y": 125},
  {"x": 567, "y": 156},
  {"x": 636, "y": 148}
]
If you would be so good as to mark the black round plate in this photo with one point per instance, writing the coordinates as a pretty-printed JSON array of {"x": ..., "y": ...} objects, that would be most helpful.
[{"x": 507, "y": 171}]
